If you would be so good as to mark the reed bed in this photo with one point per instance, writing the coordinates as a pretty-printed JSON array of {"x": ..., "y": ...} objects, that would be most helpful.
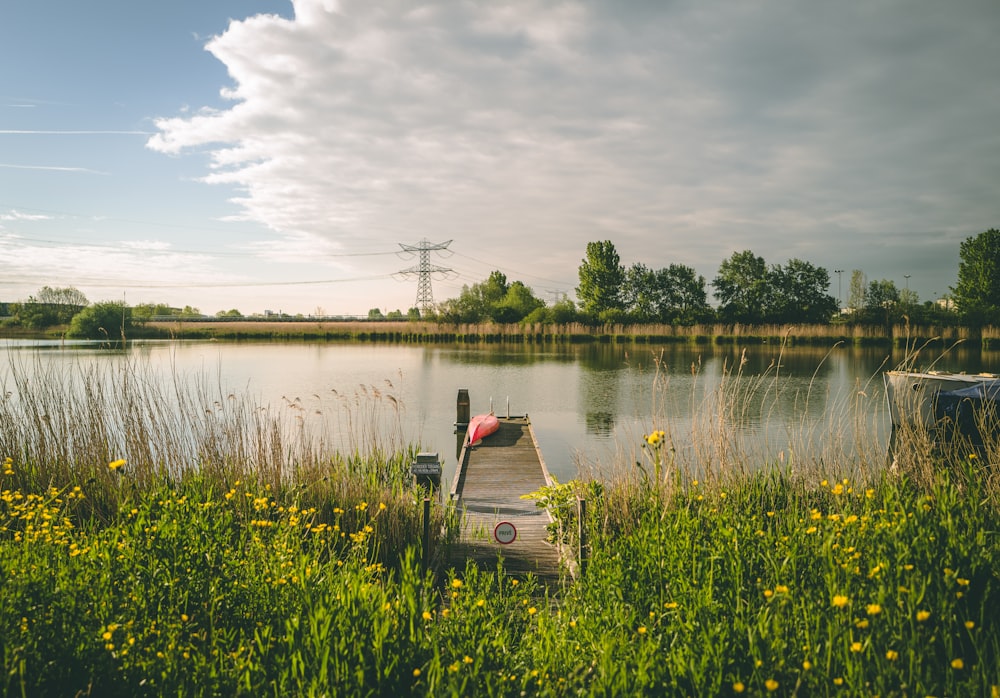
[
  {"x": 489, "y": 332},
  {"x": 834, "y": 577}
]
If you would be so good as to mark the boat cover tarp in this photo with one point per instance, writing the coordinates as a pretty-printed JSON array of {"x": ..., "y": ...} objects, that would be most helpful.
[{"x": 972, "y": 410}]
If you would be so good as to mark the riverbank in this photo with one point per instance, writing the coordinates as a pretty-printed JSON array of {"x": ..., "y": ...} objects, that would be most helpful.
[{"x": 430, "y": 332}]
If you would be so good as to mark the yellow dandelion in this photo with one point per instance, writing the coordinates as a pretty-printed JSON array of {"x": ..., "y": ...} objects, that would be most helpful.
[
  {"x": 892, "y": 655},
  {"x": 838, "y": 681},
  {"x": 480, "y": 603},
  {"x": 456, "y": 584},
  {"x": 184, "y": 618},
  {"x": 738, "y": 687},
  {"x": 855, "y": 647},
  {"x": 771, "y": 685},
  {"x": 839, "y": 600},
  {"x": 768, "y": 593},
  {"x": 863, "y": 623},
  {"x": 873, "y": 609},
  {"x": 642, "y": 630},
  {"x": 116, "y": 464},
  {"x": 957, "y": 664},
  {"x": 807, "y": 665},
  {"x": 467, "y": 659},
  {"x": 426, "y": 615},
  {"x": 416, "y": 673},
  {"x": 969, "y": 625},
  {"x": 922, "y": 616},
  {"x": 781, "y": 589},
  {"x": 532, "y": 611}
]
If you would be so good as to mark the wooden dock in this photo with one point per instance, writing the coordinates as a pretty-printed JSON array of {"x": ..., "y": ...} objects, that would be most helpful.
[{"x": 487, "y": 489}]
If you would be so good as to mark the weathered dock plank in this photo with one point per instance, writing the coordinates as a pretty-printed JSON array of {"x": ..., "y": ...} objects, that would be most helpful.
[{"x": 488, "y": 485}]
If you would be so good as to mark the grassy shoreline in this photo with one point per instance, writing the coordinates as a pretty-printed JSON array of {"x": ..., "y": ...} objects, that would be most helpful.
[
  {"x": 431, "y": 332},
  {"x": 222, "y": 558}
]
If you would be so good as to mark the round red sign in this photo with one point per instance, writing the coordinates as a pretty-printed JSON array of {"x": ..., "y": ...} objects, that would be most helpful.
[{"x": 505, "y": 533}]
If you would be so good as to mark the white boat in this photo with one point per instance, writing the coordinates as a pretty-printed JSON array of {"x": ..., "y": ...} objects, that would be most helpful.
[{"x": 913, "y": 396}]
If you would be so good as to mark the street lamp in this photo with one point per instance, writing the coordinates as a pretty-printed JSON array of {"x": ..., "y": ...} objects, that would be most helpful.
[{"x": 840, "y": 294}]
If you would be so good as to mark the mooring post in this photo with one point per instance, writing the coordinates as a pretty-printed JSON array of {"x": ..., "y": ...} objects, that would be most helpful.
[
  {"x": 426, "y": 546},
  {"x": 581, "y": 515},
  {"x": 462, "y": 408}
]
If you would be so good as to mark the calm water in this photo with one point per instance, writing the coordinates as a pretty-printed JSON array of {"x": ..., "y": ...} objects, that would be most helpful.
[{"x": 590, "y": 404}]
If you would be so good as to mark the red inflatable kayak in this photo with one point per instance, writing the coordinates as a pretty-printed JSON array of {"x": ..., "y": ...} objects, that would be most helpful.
[{"x": 482, "y": 425}]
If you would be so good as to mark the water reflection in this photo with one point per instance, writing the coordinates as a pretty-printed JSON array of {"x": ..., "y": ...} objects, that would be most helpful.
[{"x": 588, "y": 402}]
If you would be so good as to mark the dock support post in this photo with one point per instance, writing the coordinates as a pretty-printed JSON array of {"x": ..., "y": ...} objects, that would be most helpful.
[
  {"x": 462, "y": 408},
  {"x": 581, "y": 516},
  {"x": 426, "y": 542}
]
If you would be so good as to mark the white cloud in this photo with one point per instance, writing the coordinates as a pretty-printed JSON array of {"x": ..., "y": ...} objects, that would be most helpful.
[
  {"x": 15, "y": 215},
  {"x": 681, "y": 131}
]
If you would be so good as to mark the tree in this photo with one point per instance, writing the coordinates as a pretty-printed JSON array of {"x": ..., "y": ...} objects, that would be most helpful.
[
  {"x": 493, "y": 299},
  {"x": 856, "y": 295},
  {"x": 881, "y": 301},
  {"x": 375, "y": 314},
  {"x": 977, "y": 292},
  {"x": 799, "y": 294},
  {"x": 517, "y": 304},
  {"x": 742, "y": 288},
  {"x": 602, "y": 277},
  {"x": 110, "y": 320},
  {"x": 233, "y": 312},
  {"x": 50, "y": 306},
  {"x": 641, "y": 294},
  {"x": 684, "y": 298},
  {"x": 143, "y": 312}
]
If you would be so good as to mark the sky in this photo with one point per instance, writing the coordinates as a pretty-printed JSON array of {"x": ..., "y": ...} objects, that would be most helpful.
[{"x": 279, "y": 155}]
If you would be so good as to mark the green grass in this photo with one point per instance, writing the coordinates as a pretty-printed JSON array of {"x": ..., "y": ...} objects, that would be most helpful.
[
  {"x": 226, "y": 558},
  {"x": 822, "y": 589}
]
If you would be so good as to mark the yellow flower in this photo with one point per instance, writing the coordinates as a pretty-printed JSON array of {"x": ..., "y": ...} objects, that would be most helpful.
[
  {"x": 781, "y": 589},
  {"x": 863, "y": 623},
  {"x": 969, "y": 625},
  {"x": 480, "y": 603},
  {"x": 738, "y": 687},
  {"x": 957, "y": 664},
  {"x": 838, "y": 681},
  {"x": 892, "y": 655},
  {"x": 655, "y": 438},
  {"x": 873, "y": 609},
  {"x": 416, "y": 673},
  {"x": 184, "y": 618},
  {"x": 426, "y": 615},
  {"x": 840, "y": 601},
  {"x": 771, "y": 685},
  {"x": 768, "y": 593},
  {"x": 807, "y": 665},
  {"x": 116, "y": 464},
  {"x": 922, "y": 616},
  {"x": 467, "y": 659},
  {"x": 532, "y": 611},
  {"x": 642, "y": 630},
  {"x": 456, "y": 584},
  {"x": 855, "y": 647}
]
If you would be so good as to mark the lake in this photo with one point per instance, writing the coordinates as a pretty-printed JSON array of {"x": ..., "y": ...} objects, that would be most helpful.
[{"x": 590, "y": 404}]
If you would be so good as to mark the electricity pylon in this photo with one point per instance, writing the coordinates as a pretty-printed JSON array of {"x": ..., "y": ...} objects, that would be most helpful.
[{"x": 424, "y": 269}]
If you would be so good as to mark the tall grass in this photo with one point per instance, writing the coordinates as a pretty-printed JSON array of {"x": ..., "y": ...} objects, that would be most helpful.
[{"x": 767, "y": 578}]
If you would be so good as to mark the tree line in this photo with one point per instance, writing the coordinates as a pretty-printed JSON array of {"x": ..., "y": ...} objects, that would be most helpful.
[{"x": 746, "y": 289}]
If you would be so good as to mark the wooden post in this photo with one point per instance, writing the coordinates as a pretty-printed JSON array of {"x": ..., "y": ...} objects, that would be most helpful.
[
  {"x": 581, "y": 515},
  {"x": 462, "y": 408},
  {"x": 426, "y": 546}
]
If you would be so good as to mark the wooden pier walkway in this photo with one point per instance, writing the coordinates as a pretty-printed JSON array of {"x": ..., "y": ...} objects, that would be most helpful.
[{"x": 487, "y": 489}]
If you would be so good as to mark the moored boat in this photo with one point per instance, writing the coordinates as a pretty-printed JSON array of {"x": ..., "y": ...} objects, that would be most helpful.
[
  {"x": 931, "y": 399},
  {"x": 480, "y": 426}
]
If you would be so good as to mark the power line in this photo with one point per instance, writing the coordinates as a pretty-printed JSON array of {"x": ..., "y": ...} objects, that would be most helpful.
[{"x": 424, "y": 269}]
